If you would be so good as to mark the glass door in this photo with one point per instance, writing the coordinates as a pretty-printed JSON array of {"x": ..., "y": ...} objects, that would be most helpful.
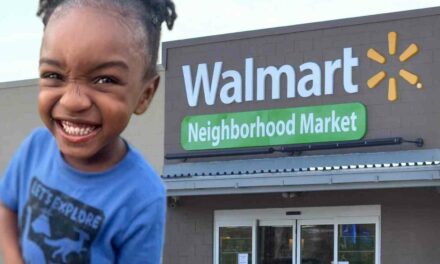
[
  {"x": 329, "y": 242},
  {"x": 315, "y": 242},
  {"x": 276, "y": 242},
  {"x": 322, "y": 235},
  {"x": 235, "y": 245},
  {"x": 356, "y": 243}
]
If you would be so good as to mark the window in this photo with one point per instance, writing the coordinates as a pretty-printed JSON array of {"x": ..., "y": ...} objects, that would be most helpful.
[
  {"x": 316, "y": 244},
  {"x": 235, "y": 242},
  {"x": 356, "y": 243}
]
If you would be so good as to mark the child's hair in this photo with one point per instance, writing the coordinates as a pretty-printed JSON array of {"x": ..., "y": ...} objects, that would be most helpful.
[{"x": 151, "y": 14}]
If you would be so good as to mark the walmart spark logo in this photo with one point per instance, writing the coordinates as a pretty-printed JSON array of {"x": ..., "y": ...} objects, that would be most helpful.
[{"x": 408, "y": 76}]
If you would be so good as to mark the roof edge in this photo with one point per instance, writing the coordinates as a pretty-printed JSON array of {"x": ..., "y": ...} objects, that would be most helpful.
[
  {"x": 322, "y": 181},
  {"x": 352, "y": 21},
  {"x": 18, "y": 83},
  {"x": 288, "y": 163}
]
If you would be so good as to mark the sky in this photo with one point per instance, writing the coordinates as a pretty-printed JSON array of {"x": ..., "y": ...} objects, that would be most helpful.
[{"x": 21, "y": 31}]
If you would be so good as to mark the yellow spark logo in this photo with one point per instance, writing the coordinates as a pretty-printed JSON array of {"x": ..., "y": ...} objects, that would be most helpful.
[{"x": 408, "y": 76}]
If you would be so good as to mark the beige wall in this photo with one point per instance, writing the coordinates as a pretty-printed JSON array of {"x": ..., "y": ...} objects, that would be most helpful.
[
  {"x": 146, "y": 132},
  {"x": 18, "y": 116}
]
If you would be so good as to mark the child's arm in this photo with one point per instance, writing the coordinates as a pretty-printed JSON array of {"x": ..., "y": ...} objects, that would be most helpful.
[{"x": 9, "y": 246}]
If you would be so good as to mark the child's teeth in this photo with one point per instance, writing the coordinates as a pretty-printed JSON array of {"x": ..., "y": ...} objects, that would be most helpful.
[{"x": 76, "y": 129}]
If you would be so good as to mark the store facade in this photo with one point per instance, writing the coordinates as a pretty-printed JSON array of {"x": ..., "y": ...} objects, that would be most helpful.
[{"x": 316, "y": 143}]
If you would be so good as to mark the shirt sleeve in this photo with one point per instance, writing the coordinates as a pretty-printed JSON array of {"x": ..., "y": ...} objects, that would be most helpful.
[
  {"x": 9, "y": 183},
  {"x": 143, "y": 240}
]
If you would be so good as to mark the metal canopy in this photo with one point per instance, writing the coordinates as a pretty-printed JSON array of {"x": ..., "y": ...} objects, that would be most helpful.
[{"x": 417, "y": 168}]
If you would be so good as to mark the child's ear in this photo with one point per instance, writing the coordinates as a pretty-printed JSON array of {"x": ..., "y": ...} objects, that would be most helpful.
[{"x": 147, "y": 95}]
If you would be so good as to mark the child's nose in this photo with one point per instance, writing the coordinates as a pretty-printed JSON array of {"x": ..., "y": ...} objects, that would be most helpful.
[{"x": 74, "y": 99}]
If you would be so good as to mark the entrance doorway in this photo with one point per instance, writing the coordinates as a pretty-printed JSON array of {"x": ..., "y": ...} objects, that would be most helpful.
[
  {"x": 275, "y": 242},
  {"x": 341, "y": 235}
]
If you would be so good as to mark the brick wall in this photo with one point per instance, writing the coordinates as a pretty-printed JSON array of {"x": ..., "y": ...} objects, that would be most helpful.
[{"x": 410, "y": 231}]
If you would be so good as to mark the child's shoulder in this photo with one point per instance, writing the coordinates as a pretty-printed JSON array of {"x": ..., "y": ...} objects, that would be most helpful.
[
  {"x": 139, "y": 175},
  {"x": 38, "y": 136},
  {"x": 36, "y": 143}
]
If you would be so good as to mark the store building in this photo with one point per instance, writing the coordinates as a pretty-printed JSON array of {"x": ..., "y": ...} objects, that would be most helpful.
[{"x": 315, "y": 143}]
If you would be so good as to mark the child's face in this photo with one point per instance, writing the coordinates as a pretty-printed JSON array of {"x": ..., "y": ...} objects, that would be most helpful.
[{"x": 92, "y": 70}]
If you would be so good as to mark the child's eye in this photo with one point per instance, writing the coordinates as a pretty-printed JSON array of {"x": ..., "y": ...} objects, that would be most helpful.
[
  {"x": 105, "y": 80},
  {"x": 52, "y": 75}
]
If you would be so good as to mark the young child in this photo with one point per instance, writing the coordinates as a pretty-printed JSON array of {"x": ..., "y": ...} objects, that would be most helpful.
[{"x": 76, "y": 192}]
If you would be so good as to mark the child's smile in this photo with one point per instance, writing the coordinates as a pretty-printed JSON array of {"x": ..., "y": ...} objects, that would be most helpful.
[
  {"x": 77, "y": 132},
  {"x": 90, "y": 86}
]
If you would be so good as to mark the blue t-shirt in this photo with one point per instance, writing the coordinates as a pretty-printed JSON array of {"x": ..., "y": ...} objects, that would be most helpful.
[{"x": 68, "y": 216}]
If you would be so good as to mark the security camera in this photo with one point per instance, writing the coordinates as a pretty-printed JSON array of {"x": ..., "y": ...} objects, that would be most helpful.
[
  {"x": 290, "y": 195},
  {"x": 173, "y": 201}
]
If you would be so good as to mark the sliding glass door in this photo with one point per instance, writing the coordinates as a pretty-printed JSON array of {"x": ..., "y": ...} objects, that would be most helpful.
[
  {"x": 276, "y": 242},
  {"x": 353, "y": 241},
  {"x": 312, "y": 237},
  {"x": 235, "y": 245},
  {"x": 316, "y": 243}
]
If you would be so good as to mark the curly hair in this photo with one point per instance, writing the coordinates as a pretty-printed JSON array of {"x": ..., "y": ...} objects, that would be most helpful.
[{"x": 151, "y": 14}]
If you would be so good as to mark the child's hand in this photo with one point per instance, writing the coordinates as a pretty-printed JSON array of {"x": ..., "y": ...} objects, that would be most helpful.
[{"x": 9, "y": 236}]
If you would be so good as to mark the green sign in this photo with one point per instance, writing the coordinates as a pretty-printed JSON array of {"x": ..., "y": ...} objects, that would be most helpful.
[{"x": 325, "y": 123}]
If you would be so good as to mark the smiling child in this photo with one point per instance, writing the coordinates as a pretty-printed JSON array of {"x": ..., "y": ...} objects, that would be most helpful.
[{"x": 76, "y": 192}]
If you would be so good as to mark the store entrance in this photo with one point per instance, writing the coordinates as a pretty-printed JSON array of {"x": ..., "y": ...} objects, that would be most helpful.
[
  {"x": 276, "y": 242},
  {"x": 301, "y": 239}
]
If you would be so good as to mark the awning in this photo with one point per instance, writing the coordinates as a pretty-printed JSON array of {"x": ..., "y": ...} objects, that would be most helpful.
[{"x": 416, "y": 168}]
